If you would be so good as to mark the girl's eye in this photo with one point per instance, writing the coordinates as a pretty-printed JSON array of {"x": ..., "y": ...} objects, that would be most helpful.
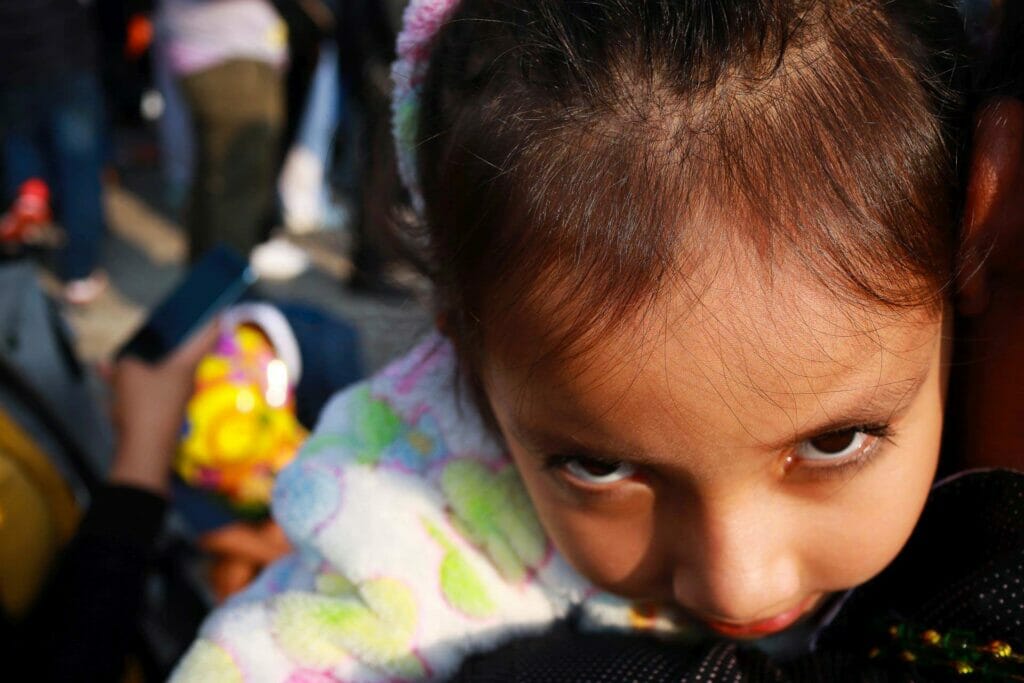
[
  {"x": 837, "y": 446},
  {"x": 597, "y": 472}
]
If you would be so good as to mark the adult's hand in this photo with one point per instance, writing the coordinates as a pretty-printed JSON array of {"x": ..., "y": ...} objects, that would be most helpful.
[
  {"x": 149, "y": 407},
  {"x": 240, "y": 551}
]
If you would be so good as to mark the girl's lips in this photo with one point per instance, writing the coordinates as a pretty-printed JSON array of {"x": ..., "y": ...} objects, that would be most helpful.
[{"x": 765, "y": 627}]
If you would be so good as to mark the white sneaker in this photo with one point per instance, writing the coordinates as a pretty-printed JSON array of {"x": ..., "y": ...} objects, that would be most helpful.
[
  {"x": 278, "y": 259},
  {"x": 86, "y": 290}
]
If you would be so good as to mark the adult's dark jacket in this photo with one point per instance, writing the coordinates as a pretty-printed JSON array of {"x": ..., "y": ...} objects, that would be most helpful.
[{"x": 85, "y": 622}]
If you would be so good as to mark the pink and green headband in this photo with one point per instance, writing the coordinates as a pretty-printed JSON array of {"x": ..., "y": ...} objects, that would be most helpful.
[{"x": 420, "y": 24}]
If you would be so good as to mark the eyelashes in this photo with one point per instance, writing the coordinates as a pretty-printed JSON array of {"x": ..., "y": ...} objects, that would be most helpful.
[
  {"x": 838, "y": 453},
  {"x": 591, "y": 471},
  {"x": 829, "y": 455},
  {"x": 842, "y": 443}
]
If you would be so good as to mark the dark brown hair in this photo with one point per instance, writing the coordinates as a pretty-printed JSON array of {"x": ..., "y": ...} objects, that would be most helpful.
[{"x": 575, "y": 149}]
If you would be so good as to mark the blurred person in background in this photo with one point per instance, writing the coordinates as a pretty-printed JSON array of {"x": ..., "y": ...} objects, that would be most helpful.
[
  {"x": 51, "y": 125},
  {"x": 174, "y": 131},
  {"x": 366, "y": 38},
  {"x": 228, "y": 58},
  {"x": 315, "y": 101}
]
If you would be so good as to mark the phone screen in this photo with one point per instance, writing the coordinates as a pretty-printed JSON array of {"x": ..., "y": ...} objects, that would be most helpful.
[{"x": 218, "y": 279}]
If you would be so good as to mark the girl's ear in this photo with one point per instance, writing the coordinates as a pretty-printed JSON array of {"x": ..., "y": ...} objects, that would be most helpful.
[{"x": 992, "y": 237}]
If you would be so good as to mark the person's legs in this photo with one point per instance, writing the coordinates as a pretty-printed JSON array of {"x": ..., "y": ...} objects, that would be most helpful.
[
  {"x": 251, "y": 158},
  {"x": 20, "y": 139},
  {"x": 378, "y": 193},
  {"x": 174, "y": 129},
  {"x": 238, "y": 112},
  {"x": 75, "y": 123},
  {"x": 302, "y": 185},
  {"x": 197, "y": 213}
]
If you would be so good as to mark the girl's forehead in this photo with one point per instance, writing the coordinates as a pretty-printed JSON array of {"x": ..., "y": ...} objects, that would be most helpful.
[
  {"x": 738, "y": 337},
  {"x": 725, "y": 306}
]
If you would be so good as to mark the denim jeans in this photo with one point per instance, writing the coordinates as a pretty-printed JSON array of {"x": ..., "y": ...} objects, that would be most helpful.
[{"x": 52, "y": 128}]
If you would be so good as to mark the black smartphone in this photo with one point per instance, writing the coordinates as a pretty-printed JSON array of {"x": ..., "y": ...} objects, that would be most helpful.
[{"x": 217, "y": 280}]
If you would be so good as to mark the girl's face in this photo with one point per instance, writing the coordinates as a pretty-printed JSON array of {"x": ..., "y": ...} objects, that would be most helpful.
[{"x": 741, "y": 453}]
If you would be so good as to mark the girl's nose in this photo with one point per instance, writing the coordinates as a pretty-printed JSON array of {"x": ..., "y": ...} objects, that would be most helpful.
[{"x": 739, "y": 565}]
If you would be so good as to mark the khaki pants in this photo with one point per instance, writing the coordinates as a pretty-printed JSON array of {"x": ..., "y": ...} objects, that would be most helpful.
[{"x": 238, "y": 113}]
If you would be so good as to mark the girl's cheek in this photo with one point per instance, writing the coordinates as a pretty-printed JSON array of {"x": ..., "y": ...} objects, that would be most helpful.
[
  {"x": 871, "y": 517},
  {"x": 609, "y": 539},
  {"x": 871, "y": 520}
]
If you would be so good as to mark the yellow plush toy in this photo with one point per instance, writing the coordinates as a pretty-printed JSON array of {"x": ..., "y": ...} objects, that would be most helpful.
[{"x": 240, "y": 427}]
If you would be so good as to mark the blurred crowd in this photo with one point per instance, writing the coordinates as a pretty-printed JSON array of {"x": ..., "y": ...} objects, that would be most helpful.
[
  {"x": 271, "y": 120},
  {"x": 271, "y": 117}
]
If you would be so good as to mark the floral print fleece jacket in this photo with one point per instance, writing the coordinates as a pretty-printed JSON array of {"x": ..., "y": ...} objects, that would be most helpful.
[{"x": 415, "y": 546}]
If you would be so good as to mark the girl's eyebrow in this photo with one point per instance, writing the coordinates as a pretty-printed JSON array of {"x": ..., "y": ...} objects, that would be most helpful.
[
  {"x": 540, "y": 442},
  {"x": 879, "y": 404}
]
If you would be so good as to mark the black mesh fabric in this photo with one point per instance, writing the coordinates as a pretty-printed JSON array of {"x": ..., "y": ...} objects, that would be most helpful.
[
  {"x": 961, "y": 572},
  {"x": 562, "y": 655},
  {"x": 963, "y": 567}
]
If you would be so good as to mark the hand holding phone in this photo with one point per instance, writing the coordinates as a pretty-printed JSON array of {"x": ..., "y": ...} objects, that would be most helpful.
[
  {"x": 149, "y": 403},
  {"x": 217, "y": 280}
]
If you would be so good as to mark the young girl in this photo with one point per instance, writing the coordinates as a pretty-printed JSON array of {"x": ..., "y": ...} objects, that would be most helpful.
[{"x": 693, "y": 266}]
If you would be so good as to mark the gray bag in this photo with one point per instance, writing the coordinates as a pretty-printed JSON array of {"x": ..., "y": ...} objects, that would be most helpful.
[{"x": 44, "y": 387}]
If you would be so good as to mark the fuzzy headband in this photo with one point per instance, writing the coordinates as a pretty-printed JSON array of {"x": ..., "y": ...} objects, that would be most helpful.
[{"x": 420, "y": 24}]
